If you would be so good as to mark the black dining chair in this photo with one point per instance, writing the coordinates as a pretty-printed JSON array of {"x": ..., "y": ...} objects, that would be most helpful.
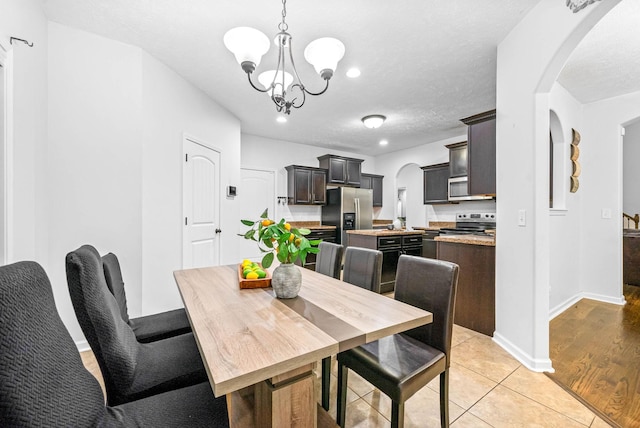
[
  {"x": 131, "y": 370},
  {"x": 401, "y": 364},
  {"x": 328, "y": 262},
  {"x": 43, "y": 382},
  {"x": 147, "y": 328},
  {"x": 329, "y": 259},
  {"x": 363, "y": 267}
]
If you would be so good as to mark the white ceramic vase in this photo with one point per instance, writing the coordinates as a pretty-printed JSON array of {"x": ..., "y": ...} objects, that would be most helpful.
[{"x": 286, "y": 281}]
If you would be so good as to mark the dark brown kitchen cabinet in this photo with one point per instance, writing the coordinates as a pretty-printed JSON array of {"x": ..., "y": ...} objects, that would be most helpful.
[
  {"x": 481, "y": 153},
  {"x": 326, "y": 235},
  {"x": 374, "y": 182},
  {"x": 392, "y": 247},
  {"x": 457, "y": 159},
  {"x": 435, "y": 187},
  {"x": 341, "y": 170},
  {"x": 306, "y": 185},
  {"x": 476, "y": 297}
]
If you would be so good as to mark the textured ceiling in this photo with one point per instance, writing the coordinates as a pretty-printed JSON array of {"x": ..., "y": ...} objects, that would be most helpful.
[
  {"x": 425, "y": 63},
  {"x": 607, "y": 61}
]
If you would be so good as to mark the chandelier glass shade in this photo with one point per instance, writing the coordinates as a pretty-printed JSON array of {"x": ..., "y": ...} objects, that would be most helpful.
[{"x": 283, "y": 84}]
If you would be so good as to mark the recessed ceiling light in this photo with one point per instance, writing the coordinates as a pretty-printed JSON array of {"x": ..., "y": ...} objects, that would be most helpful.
[
  {"x": 383, "y": 142},
  {"x": 353, "y": 72},
  {"x": 373, "y": 121},
  {"x": 281, "y": 119}
]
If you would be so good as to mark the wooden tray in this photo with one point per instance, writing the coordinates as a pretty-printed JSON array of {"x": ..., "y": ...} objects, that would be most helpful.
[{"x": 254, "y": 283}]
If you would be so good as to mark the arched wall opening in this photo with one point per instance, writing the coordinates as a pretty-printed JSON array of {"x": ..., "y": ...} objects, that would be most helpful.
[
  {"x": 529, "y": 62},
  {"x": 408, "y": 195}
]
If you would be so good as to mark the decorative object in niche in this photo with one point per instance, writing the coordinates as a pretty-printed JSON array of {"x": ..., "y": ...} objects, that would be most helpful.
[
  {"x": 575, "y": 154},
  {"x": 578, "y": 5}
]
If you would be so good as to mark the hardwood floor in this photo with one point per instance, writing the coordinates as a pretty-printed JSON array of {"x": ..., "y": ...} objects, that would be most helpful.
[{"x": 595, "y": 350}]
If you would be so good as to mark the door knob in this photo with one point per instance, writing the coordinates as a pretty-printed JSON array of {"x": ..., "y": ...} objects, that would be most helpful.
[{"x": 218, "y": 231}]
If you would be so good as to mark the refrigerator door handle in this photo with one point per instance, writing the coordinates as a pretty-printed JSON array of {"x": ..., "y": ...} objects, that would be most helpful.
[{"x": 356, "y": 203}]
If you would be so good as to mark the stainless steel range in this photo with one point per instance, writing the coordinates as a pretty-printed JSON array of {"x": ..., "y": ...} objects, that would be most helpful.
[{"x": 472, "y": 224}]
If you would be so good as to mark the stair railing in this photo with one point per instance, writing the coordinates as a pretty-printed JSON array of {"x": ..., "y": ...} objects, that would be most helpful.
[{"x": 627, "y": 219}]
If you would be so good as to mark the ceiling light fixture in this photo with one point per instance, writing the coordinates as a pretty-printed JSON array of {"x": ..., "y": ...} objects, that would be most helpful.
[
  {"x": 373, "y": 121},
  {"x": 353, "y": 73},
  {"x": 383, "y": 142},
  {"x": 285, "y": 88}
]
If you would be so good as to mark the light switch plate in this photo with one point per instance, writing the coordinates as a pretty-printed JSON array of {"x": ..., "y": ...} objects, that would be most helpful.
[
  {"x": 522, "y": 217},
  {"x": 606, "y": 213}
]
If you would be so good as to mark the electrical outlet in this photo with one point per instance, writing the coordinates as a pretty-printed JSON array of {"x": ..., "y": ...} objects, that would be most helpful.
[{"x": 606, "y": 213}]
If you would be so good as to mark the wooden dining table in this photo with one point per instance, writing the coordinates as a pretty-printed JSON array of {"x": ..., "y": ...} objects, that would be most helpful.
[{"x": 261, "y": 351}]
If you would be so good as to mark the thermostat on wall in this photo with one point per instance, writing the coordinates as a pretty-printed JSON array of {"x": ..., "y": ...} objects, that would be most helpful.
[{"x": 231, "y": 191}]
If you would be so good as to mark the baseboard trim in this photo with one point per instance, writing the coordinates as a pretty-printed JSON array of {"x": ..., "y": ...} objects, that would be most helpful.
[
  {"x": 533, "y": 364},
  {"x": 575, "y": 299},
  {"x": 82, "y": 346}
]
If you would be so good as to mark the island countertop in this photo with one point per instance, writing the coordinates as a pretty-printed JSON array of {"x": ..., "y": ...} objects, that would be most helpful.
[
  {"x": 489, "y": 241},
  {"x": 385, "y": 232}
]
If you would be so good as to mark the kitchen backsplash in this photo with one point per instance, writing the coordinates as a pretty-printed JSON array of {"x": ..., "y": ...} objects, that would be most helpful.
[{"x": 448, "y": 212}]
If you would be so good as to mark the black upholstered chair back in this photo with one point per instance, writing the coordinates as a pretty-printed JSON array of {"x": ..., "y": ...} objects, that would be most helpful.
[
  {"x": 430, "y": 285},
  {"x": 43, "y": 382},
  {"x": 363, "y": 267},
  {"x": 113, "y": 276},
  {"x": 329, "y": 259},
  {"x": 100, "y": 319}
]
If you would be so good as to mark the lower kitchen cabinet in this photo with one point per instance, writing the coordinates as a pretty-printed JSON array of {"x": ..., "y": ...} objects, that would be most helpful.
[
  {"x": 392, "y": 245},
  {"x": 327, "y": 235},
  {"x": 476, "y": 298}
]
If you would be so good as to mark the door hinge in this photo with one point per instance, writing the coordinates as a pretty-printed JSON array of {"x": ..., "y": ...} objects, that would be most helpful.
[
  {"x": 185, "y": 221},
  {"x": 186, "y": 157}
]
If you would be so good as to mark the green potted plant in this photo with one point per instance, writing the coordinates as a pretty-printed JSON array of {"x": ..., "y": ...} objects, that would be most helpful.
[{"x": 285, "y": 242}]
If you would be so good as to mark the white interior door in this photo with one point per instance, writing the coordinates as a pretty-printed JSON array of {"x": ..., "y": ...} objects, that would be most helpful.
[
  {"x": 201, "y": 199},
  {"x": 256, "y": 192}
]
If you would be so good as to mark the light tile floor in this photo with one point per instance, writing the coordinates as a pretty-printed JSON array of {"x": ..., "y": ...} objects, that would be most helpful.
[{"x": 487, "y": 388}]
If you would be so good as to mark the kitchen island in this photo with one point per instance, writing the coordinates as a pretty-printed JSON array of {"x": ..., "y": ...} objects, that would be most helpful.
[
  {"x": 392, "y": 243},
  {"x": 475, "y": 299}
]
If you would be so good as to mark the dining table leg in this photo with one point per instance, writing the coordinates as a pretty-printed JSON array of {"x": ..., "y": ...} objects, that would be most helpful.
[{"x": 287, "y": 400}]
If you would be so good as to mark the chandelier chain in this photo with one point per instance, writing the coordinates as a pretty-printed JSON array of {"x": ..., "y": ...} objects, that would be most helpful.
[{"x": 283, "y": 25}]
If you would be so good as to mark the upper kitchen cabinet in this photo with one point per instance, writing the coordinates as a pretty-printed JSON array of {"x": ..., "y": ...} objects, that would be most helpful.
[
  {"x": 481, "y": 153},
  {"x": 435, "y": 187},
  {"x": 306, "y": 185},
  {"x": 457, "y": 159},
  {"x": 341, "y": 170},
  {"x": 374, "y": 182}
]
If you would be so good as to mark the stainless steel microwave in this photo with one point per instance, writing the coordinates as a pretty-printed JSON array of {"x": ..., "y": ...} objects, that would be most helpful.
[{"x": 458, "y": 190}]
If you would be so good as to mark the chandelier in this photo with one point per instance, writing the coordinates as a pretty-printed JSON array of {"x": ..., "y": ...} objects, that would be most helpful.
[{"x": 285, "y": 88}]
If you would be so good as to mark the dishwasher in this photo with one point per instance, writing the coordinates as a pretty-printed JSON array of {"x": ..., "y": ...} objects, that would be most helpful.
[{"x": 429, "y": 244}]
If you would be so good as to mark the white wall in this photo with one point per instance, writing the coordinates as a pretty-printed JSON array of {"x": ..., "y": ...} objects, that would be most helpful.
[
  {"x": 565, "y": 244},
  {"x": 275, "y": 155},
  {"x": 171, "y": 107},
  {"x": 529, "y": 61},
  {"x": 28, "y": 67},
  {"x": 601, "y": 159},
  {"x": 392, "y": 164},
  {"x": 117, "y": 118},
  {"x": 631, "y": 174}
]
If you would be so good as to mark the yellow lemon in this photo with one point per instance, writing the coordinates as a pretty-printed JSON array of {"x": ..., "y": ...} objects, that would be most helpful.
[
  {"x": 287, "y": 226},
  {"x": 252, "y": 275},
  {"x": 291, "y": 238}
]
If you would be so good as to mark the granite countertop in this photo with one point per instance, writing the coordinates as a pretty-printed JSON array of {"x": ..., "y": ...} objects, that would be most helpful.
[
  {"x": 313, "y": 225},
  {"x": 489, "y": 241},
  {"x": 436, "y": 225},
  {"x": 385, "y": 232}
]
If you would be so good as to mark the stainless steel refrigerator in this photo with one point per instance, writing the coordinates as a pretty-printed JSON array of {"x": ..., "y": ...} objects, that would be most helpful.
[{"x": 348, "y": 208}]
